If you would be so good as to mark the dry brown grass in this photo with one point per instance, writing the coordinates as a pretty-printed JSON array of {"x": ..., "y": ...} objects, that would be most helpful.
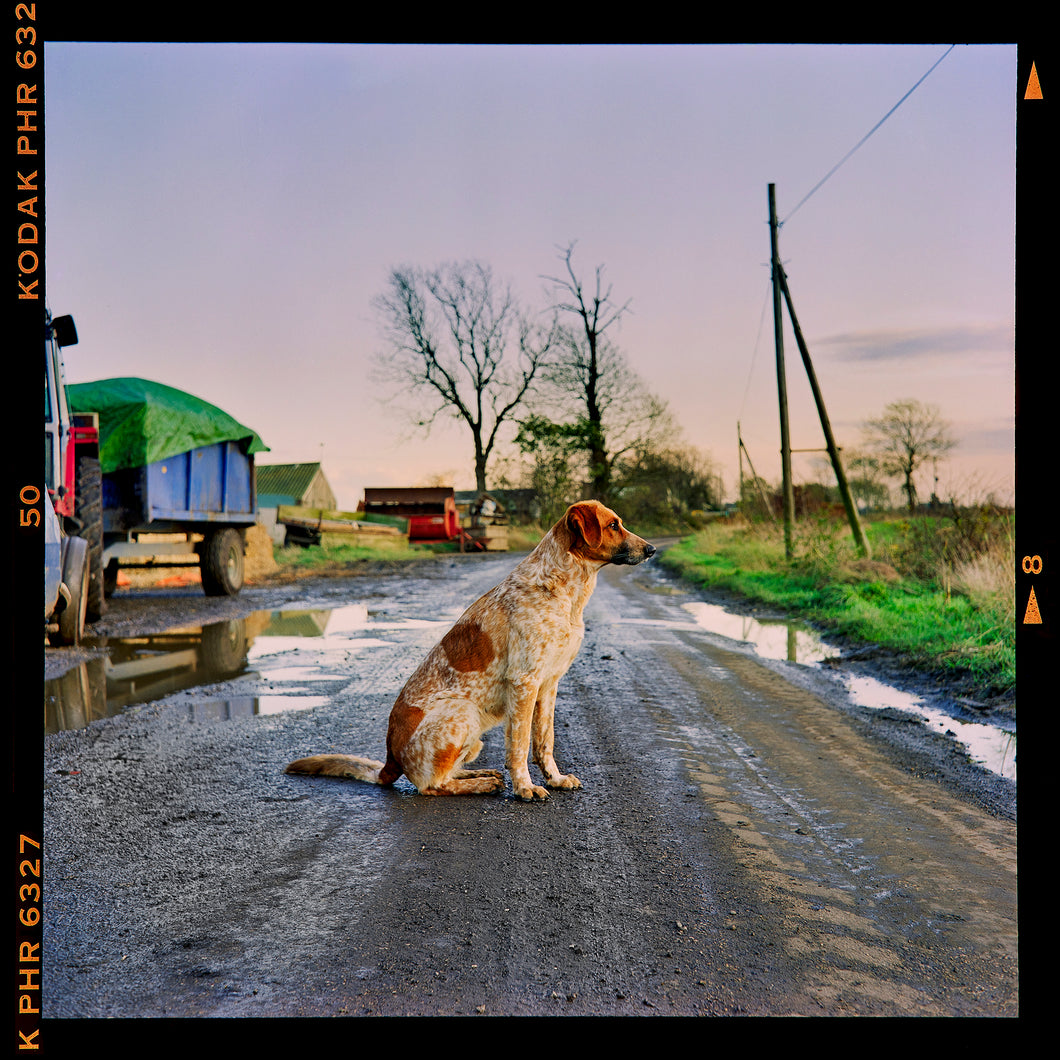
[{"x": 988, "y": 580}]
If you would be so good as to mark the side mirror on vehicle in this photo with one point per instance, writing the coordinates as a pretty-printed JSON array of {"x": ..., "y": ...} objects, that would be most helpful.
[{"x": 64, "y": 331}]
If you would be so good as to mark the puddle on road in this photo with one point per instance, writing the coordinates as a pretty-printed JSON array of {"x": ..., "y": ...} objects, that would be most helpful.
[
  {"x": 288, "y": 649},
  {"x": 992, "y": 747},
  {"x": 293, "y": 648},
  {"x": 772, "y": 639},
  {"x": 989, "y": 746}
]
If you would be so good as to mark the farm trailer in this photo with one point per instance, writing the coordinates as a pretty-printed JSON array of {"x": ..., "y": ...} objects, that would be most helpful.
[{"x": 177, "y": 481}]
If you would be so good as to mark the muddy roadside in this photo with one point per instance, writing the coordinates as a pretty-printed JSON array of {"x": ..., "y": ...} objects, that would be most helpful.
[
  {"x": 154, "y": 602},
  {"x": 738, "y": 847}
]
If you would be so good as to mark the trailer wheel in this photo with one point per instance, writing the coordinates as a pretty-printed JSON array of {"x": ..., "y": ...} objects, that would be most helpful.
[
  {"x": 224, "y": 647},
  {"x": 89, "y": 500},
  {"x": 222, "y": 563},
  {"x": 75, "y": 577}
]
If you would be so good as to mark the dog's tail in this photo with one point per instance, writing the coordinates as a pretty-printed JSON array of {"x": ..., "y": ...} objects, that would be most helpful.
[{"x": 348, "y": 767}]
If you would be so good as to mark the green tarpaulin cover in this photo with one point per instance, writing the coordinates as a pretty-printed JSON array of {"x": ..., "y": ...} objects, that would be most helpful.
[{"x": 141, "y": 421}]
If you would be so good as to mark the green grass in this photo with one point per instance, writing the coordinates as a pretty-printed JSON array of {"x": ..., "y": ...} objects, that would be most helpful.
[
  {"x": 927, "y": 607},
  {"x": 330, "y": 556},
  {"x": 336, "y": 552}
]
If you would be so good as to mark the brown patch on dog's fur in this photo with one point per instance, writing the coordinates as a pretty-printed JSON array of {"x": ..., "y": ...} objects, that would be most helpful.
[
  {"x": 468, "y": 647},
  {"x": 403, "y": 721},
  {"x": 446, "y": 759}
]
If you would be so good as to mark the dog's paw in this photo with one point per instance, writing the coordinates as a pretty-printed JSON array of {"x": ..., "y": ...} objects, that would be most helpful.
[
  {"x": 568, "y": 780},
  {"x": 529, "y": 792}
]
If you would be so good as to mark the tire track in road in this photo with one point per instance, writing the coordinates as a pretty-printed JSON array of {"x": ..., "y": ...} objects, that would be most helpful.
[
  {"x": 878, "y": 891},
  {"x": 740, "y": 845}
]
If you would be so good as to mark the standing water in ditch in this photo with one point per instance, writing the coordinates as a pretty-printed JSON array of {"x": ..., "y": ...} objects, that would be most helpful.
[{"x": 789, "y": 640}]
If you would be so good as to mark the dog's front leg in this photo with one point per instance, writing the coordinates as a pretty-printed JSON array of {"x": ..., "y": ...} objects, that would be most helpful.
[
  {"x": 543, "y": 738},
  {"x": 521, "y": 699}
]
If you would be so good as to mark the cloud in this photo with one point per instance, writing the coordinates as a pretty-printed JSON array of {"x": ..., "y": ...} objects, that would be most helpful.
[
  {"x": 901, "y": 344},
  {"x": 985, "y": 437}
]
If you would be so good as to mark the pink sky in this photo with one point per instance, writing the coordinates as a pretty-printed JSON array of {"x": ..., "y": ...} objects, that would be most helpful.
[{"x": 220, "y": 218}]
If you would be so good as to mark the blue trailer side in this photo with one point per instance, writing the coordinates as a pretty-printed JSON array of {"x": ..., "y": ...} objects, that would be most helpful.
[
  {"x": 172, "y": 465},
  {"x": 213, "y": 483},
  {"x": 206, "y": 494}
]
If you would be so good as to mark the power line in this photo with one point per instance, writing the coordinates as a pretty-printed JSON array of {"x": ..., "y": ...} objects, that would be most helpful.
[
  {"x": 867, "y": 135},
  {"x": 754, "y": 353}
]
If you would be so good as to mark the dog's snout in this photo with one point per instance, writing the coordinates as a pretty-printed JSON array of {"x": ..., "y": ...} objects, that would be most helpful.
[{"x": 634, "y": 551}]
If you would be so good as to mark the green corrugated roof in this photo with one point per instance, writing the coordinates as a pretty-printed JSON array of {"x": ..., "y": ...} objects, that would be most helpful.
[{"x": 285, "y": 480}]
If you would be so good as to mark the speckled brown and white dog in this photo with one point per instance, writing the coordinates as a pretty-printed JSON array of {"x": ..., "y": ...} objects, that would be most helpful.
[{"x": 501, "y": 662}]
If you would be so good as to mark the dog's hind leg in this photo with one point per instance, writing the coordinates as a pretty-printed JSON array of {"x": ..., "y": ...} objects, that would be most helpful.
[
  {"x": 434, "y": 756},
  {"x": 485, "y": 782}
]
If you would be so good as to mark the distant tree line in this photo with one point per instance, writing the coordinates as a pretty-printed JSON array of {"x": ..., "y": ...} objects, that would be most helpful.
[
  {"x": 894, "y": 447},
  {"x": 549, "y": 400},
  {"x": 552, "y": 404}
]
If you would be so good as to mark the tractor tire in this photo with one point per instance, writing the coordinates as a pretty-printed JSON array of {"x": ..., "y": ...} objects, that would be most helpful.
[
  {"x": 221, "y": 563},
  {"x": 75, "y": 577},
  {"x": 89, "y": 501}
]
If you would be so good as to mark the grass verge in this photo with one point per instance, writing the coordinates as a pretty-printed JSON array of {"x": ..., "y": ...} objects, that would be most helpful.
[
  {"x": 337, "y": 553},
  {"x": 944, "y": 600}
]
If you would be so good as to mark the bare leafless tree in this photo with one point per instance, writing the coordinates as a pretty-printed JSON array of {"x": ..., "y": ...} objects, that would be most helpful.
[
  {"x": 459, "y": 341},
  {"x": 591, "y": 378},
  {"x": 907, "y": 434}
]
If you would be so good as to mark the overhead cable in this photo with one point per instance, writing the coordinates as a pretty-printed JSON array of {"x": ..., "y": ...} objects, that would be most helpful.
[{"x": 867, "y": 135}]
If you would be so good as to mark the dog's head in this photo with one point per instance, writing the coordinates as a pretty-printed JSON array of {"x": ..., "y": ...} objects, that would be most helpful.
[{"x": 596, "y": 534}]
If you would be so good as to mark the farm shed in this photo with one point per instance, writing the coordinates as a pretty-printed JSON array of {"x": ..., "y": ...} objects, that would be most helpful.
[{"x": 300, "y": 485}]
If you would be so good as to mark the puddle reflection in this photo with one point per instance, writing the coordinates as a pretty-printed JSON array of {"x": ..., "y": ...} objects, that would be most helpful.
[
  {"x": 772, "y": 638},
  {"x": 210, "y": 710},
  {"x": 989, "y": 746},
  {"x": 142, "y": 669}
]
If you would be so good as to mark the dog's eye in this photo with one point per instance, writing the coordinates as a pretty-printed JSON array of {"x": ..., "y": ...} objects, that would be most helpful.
[{"x": 614, "y": 525}]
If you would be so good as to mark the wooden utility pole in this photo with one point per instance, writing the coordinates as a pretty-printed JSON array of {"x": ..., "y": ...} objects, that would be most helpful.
[
  {"x": 782, "y": 385},
  {"x": 739, "y": 457},
  {"x": 826, "y": 426},
  {"x": 754, "y": 475},
  {"x": 780, "y": 287}
]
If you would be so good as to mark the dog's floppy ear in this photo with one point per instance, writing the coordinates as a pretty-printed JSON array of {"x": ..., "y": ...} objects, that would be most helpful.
[{"x": 583, "y": 521}]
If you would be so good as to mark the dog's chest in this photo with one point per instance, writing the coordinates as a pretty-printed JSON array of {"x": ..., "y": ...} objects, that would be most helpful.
[{"x": 557, "y": 640}]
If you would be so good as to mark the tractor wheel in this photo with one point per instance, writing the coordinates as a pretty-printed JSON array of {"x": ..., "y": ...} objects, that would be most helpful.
[
  {"x": 221, "y": 563},
  {"x": 224, "y": 647},
  {"x": 75, "y": 577}
]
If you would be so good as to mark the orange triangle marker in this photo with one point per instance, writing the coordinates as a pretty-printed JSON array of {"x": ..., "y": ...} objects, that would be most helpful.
[
  {"x": 1033, "y": 617},
  {"x": 1034, "y": 89}
]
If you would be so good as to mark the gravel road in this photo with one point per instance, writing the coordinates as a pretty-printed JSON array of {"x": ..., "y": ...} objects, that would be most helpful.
[{"x": 747, "y": 840}]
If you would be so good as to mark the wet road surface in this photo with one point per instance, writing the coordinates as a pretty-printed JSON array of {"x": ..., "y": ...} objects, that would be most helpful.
[{"x": 746, "y": 841}]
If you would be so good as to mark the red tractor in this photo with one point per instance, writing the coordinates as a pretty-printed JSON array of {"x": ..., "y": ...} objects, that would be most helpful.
[{"x": 74, "y": 482}]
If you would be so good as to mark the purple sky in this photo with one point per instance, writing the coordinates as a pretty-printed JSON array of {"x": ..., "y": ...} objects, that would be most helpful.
[{"x": 220, "y": 218}]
